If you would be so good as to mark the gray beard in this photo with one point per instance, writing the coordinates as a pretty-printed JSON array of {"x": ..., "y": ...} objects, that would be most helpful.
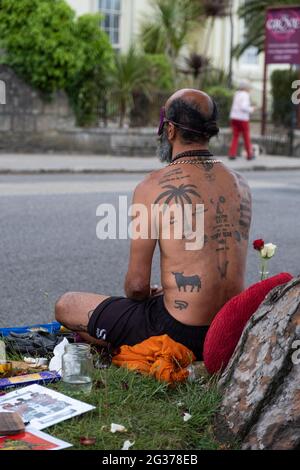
[{"x": 164, "y": 149}]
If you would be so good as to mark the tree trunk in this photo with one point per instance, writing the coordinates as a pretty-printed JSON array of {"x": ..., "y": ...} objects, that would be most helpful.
[
  {"x": 231, "y": 47},
  {"x": 261, "y": 384},
  {"x": 123, "y": 109}
]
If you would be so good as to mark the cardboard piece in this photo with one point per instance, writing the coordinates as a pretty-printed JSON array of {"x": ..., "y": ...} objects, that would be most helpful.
[
  {"x": 22, "y": 380},
  {"x": 23, "y": 366}
]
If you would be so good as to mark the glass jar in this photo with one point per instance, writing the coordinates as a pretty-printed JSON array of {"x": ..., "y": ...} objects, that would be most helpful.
[
  {"x": 77, "y": 367},
  {"x": 264, "y": 273}
]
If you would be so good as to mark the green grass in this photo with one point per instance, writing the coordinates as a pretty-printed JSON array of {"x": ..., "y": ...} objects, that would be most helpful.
[{"x": 151, "y": 412}]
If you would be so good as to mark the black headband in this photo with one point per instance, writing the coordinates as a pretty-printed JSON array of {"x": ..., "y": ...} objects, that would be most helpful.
[{"x": 204, "y": 126}]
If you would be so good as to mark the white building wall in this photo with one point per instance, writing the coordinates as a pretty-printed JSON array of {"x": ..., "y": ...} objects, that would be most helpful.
[
  {"x": 133, "y": 12},
  {"x": 217, "y": 42},
  {"x": 243, "y": 68},
  {"x": 82, "y": 6}
]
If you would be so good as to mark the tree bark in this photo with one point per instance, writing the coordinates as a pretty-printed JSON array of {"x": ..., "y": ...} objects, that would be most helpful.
[{"x": 261, "y": 384}]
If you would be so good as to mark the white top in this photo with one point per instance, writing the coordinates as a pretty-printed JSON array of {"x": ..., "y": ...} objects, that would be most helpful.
[{"x": 241, "y": 106}]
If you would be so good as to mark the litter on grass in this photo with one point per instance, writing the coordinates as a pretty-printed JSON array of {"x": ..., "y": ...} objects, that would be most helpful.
[{"x": 117, "y": 428}]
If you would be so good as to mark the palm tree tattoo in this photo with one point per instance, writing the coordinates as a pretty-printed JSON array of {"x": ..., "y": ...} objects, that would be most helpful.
[{"x": 181, "y": 194}]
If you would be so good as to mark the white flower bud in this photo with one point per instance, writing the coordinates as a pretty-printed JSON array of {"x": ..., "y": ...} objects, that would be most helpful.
[{"x": 268, "y": 251}]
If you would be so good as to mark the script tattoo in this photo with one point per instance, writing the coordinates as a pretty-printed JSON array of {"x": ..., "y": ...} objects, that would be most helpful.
[
  {"x": 237, "y": 236},
  {"x": 208, "y": 168},
  {"x": 79, "y": 328},
  {"x": 242, "y": 182},
  {"x": 222, "y": 268},
  {"x": 245, "y": 208},
  {"x": 208, "y": 171},
  {"x": 245, "y": 211},
  {"x": 222, "y": 231},
  {"x": 181, "y": 305},
  {"x": 188, "y": 226},
  {"x": 173, "y": 175},
  {"x": 185, "y": 281}
]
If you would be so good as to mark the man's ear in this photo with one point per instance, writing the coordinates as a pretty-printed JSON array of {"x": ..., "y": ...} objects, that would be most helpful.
[{"x": 171, "y": 131}]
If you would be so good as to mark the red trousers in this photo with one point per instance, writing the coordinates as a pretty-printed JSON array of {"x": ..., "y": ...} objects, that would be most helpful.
[{"x": 240, "y": 127}]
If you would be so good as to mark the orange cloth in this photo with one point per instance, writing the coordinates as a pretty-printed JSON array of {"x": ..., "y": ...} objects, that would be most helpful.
[{"x": 159, "y": 356}]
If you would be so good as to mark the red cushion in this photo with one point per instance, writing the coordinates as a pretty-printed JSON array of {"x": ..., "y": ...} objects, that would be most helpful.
[{"x": 229, "y": 323}]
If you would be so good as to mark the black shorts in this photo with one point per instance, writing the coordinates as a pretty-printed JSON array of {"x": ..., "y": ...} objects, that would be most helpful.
[{"x": 122, "y": 321}]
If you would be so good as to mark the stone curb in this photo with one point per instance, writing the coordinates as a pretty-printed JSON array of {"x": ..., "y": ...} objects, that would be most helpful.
[{"x": 100, "y": 171}]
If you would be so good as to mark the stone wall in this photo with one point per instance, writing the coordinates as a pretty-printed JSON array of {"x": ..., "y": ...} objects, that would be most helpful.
[
  {"x": 28, "y": 123},
  {"x": 26, "y": 118}
]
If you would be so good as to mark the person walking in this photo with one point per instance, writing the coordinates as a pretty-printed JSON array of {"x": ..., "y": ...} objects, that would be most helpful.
[{"x": 239, "y": 118}]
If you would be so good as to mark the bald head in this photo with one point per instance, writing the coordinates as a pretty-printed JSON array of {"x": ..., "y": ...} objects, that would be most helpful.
[
  {"x": 194, "y": 115},
  {"x": 194, "y": 97}
]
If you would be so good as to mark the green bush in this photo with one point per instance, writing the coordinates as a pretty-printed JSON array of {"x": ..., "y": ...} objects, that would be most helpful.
[
  {"x": 136, "y": 80},
  {"x": 47, "y": 46},
  {"x": 88, "y": 86},
  {"x": 214, "y": 77},
  {"x": 161, "y": 71},
  {"x": 282, "y": 106},
  {"x": 39, "y": 42},
  {"x": 145, "y": 109},
  {"x": 223, "y": 97}
]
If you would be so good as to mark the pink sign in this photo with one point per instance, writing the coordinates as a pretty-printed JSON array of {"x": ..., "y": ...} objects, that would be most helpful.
[{"x": 283, "y": 35}]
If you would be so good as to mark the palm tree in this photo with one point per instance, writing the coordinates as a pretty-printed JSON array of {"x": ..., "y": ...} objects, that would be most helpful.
[
  {"x": 210, "y": 11},
  {"x": 131, "y": 72},
  {"x": 169, "y": 27},
  {"x": 180, "y": 195},
  {"x": 196, "y": 66},
  {"x": 253, "y": 13},
  {"x": 215, "y": 8}
]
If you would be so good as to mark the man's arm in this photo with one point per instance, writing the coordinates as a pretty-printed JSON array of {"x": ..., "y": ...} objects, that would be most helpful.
[{"x": 137, "y": 282}]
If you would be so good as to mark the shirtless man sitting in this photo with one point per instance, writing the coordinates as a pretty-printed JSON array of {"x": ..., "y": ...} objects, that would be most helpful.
[{"x": 196, "y": 283}]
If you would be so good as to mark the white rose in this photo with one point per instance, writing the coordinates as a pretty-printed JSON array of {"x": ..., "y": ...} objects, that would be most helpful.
[{"x": 268, "y": 250}]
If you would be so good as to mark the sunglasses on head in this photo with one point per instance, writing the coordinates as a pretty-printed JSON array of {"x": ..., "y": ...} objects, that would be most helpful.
[{"x": 162, "y": 121}]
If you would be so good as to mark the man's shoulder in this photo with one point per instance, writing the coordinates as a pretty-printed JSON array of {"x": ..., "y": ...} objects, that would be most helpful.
[
  {"x": 145, "y": 190},
  {"x": 242, "y": 184},
  {"x": 152, "y": 179}
]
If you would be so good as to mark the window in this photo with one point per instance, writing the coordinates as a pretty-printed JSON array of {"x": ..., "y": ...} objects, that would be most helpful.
[
  {"x": 250, "y": 56},
  {"x": 111, "y": 10}
]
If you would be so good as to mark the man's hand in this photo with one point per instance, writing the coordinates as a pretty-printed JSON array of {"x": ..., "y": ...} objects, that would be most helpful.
[{"x": 156, "y": 290}]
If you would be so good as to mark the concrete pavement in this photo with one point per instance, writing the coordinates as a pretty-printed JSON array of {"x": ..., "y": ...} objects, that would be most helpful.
[
  {"x": 63, "y": 163},
  {"x": 49, "y": 243}
]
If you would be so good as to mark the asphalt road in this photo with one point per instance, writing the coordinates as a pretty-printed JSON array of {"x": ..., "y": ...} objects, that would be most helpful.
[{"x": 49, "y": 244}]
